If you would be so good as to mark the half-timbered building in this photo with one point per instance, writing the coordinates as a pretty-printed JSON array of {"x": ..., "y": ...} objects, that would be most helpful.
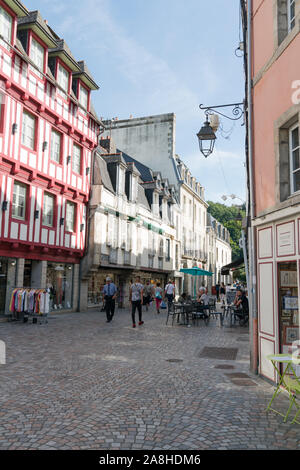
[{"x": 48, "y": 132}]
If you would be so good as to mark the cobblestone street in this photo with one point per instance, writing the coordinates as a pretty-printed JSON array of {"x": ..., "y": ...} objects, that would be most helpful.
[{"x": 81, "y": 383}]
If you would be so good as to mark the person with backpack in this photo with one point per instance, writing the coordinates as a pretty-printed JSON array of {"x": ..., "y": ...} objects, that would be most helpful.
[{"x": 158, "y": 293}]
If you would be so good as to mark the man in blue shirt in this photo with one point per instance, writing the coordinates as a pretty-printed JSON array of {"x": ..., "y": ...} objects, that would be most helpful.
[{"x": 109, "y": 295}]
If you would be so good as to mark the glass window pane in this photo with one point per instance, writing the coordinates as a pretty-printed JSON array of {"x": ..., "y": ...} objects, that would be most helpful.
[
  {"x": 296, "y": 159},
  {"x": 37, "y": 54},
  {"x": 296, "y": 177},
  {"x": 60, "y": 283},
  {"x": 19, "y": 201},
  {"x": 70, "y": 216},
  {"x": 5, "y": 26},
  {"x": 63, "y": 78},
  {"x": 83, "y": 97},
  {"x": 295, "y": 137},
  {"x": 76, "y": 161},
  {"x": 55, "y": 146},
  {"x": 28, "y": 130},
  {"x": 48, "y": 210}
]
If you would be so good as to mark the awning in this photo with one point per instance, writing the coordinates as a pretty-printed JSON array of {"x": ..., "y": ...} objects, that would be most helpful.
[
  {"x": 196, "y": 271},
  {"x": 234, "y": 265}
]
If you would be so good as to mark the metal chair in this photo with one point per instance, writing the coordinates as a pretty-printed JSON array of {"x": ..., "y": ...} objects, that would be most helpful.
[
  {"x": 201, "y": 312},
  {"x": 173, "y": 310}
]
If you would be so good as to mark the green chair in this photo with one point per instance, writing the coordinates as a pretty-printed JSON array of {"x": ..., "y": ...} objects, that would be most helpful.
[
  {"x": 293, "y": 388},
  {"x": 288, "y": 381}
]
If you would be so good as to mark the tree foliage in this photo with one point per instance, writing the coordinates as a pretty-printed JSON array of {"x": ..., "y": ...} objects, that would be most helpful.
[{"x": 231, "y": 218}]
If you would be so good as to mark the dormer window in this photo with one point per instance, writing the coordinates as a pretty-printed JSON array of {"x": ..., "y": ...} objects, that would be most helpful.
[
  {"x": 83, "y": 97},
  {"x": 37, "y": 54},
  {"x": 63, "y": 78},
  {"x": 5, "y": 26}
]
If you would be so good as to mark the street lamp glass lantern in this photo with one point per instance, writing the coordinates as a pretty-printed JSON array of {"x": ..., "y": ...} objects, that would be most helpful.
[{"x": 206, "y": 137}]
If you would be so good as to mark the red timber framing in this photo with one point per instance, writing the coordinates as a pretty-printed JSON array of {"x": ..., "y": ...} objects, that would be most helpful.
[{"x": 24, "y": 91}]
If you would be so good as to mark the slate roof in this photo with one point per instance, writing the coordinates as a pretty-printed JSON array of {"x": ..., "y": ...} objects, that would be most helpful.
[
  {"x": 86, "y": 73},
  {"x": 141, "y": 197},
  {"x": 35, "y": 18},
  {"x": 145, "y": 171},
  {"x": 63, "y": 47},
  {"x": 101, "y": 174}
]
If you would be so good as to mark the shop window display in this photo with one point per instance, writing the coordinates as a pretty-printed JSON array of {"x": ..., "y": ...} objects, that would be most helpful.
[
  {"x": 288, "y": 305},
  {"x": 95, "y": 288},
  {"x": 60, "y": 284}
]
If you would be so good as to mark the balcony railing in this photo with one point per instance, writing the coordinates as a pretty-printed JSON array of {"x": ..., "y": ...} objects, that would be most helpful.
[
  {"x": 126, "y": 257},
  {"x": 113, "y": 256}
]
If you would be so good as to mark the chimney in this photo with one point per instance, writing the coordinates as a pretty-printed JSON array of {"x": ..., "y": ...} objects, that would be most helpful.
[{"x": 108, "y": 144}]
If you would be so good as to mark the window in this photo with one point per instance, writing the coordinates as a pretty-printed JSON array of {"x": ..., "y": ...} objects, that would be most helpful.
[
  {"x": 291, "y": 14},
  {"x": 70, "y": 217},
  {"x": 168, "y": 253},
  {"x": 76, "y": 162},
  {"x": 37, "y": 53},
  {"x": 55, "y": 150},
  {"x": 63, "y": 78},
  {"x": 19, "y": 201},
  {"x": 294, "y": 159},
  {"x": 83, "y": 97},
  {"x": 2, "y": 107},
  {"x": 48, "y": 210},
  {"x": 28, "y": 130},
  {"x": 5, "y": 27}
]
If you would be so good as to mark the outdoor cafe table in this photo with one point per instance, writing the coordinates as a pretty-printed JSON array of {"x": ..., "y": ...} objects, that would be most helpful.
[
  {"x": 289, "y": 384},
  {"x": 231, "y": 311},
  {"x": 183, "y": 309}
]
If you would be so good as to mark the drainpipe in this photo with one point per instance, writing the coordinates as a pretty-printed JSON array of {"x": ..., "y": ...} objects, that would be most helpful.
[
  {"x": 88, "y": 217},
  {"x": 251, "y": 244},
  {"x": 87, "y": 231}
]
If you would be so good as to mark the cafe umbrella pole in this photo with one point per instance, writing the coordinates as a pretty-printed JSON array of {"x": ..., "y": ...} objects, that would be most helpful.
[{"x": 195, "y": 271}]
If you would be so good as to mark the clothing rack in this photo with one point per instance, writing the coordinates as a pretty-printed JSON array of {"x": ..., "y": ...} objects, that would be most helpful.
[{"x": 29, "y": 302}]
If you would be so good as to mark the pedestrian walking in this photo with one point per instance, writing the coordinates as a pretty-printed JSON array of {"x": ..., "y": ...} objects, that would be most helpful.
[
  {"x": 222, "y": 293},
  {"x": 170, "y": 293},
  {"x": 148, "y": 294},
  {"x": 158, "y": 292},
  {"x": 109, "y": 296},
  {"x": 218, "y": 291},
  {"x": 136, "y": 300}
]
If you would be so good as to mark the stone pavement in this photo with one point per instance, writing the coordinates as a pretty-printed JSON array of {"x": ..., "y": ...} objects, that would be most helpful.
[{"x": 81, "y": 383}]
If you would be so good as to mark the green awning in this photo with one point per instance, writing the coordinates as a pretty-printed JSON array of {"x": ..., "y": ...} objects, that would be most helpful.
[{"x": 196, "y": 271}]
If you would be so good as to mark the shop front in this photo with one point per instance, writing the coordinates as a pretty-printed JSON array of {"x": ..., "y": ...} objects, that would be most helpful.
[
  {"x": 278, "y": 267},
  {"x": 288, "y": 305}
]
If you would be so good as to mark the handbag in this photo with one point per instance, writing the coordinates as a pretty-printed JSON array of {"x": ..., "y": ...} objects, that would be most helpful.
[{"x": 163, "y": 305}]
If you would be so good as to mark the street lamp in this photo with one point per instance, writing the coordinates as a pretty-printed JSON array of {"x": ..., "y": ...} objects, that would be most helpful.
[
  {"x": 206, "y": 135},
  {"x": 233, "y": 196}
]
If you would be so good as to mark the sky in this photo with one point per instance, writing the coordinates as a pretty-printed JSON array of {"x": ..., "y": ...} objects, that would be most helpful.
[{"x": 163, "y": 56}]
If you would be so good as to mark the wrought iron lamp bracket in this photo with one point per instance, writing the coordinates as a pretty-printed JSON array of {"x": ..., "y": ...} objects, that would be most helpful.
[{"x": 237, "y": 110}]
